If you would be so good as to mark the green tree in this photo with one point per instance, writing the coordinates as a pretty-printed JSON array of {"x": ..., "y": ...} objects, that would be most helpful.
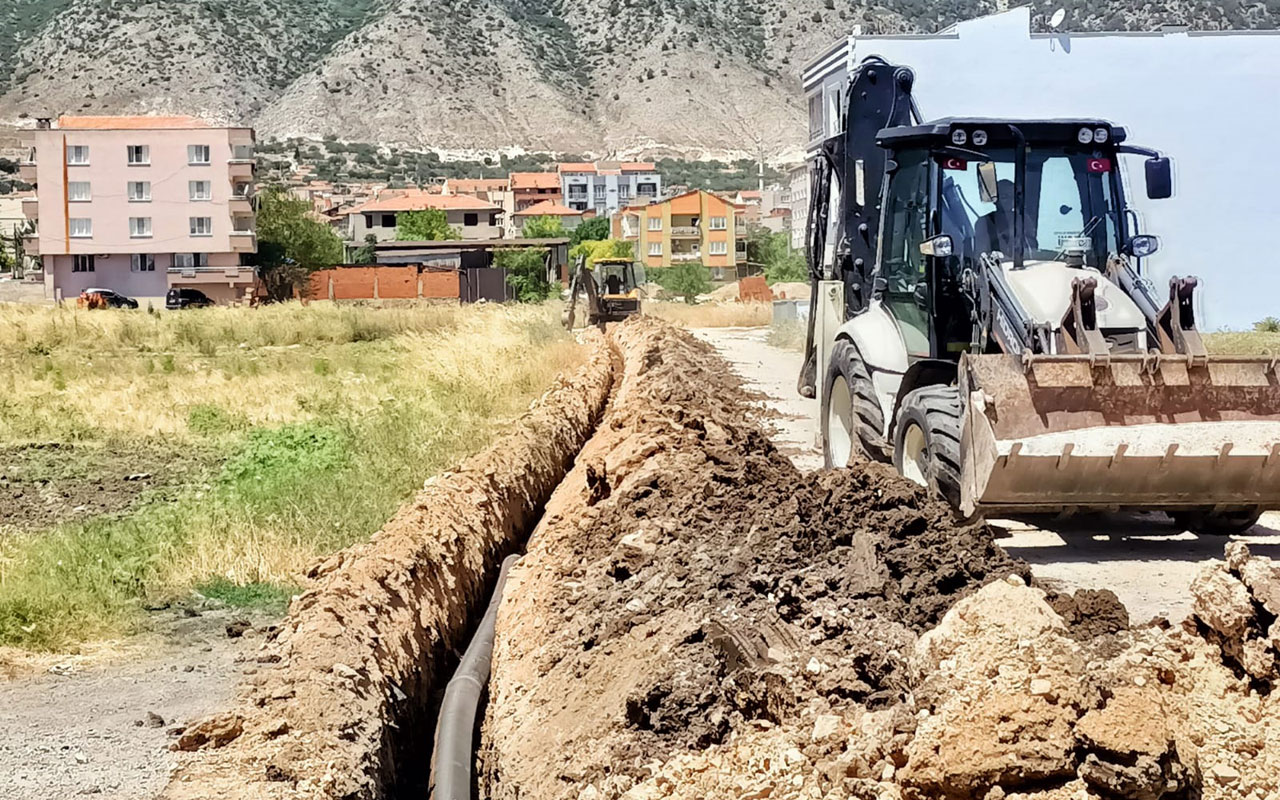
[
  {"x": 428, "y": 225},
  {"x": 544, "y": 227},
  {"x": 367, "y": 253},
  {"x": 604, "y": 248},
  {"x": 591, "y": 230},
  {"x": 526, "y": 269},
  {"x": 291, "y": 245},
  {"x": 773, "y": 253},
  {"x": 1267, "y": 325},
  {"x": 687, "y": 280}
]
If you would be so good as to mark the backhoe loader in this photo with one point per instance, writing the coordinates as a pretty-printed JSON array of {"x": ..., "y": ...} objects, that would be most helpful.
[
  {"x": 611, "y": 288},
  {"x": 979, "y": 318}
]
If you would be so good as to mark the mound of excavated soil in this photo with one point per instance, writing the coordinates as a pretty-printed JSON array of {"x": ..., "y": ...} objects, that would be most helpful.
[
  {"x": 701, "y": 621},
  {"x": 703, "y": 586}
]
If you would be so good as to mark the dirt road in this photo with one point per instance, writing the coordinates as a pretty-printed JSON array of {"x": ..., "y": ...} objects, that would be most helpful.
[{"x": 1142, "y": 558}]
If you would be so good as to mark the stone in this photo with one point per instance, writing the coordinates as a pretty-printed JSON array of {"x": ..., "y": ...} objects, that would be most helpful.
[
  {"x": 216, "y": 731},
  {"x": 1041, "y": 687},
  {"x": 825, "y": 726}
]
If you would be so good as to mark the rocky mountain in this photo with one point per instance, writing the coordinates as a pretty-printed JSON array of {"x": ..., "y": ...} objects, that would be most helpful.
[{"x": 622, "y": 77}]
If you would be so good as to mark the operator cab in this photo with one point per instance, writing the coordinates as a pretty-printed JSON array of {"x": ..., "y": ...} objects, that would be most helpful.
[{"x": 1040, "y": 199}]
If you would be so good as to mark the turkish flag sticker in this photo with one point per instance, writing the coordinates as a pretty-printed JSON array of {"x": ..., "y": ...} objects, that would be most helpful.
[
  {"x": 955, "y": 163},
  {"x": 1099, "y": 165}
]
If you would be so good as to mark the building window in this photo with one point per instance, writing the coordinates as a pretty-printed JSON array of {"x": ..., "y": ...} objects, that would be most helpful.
[
  {"x": 200, "y": 190},
  {"x": 139, "y": 155},
  {"x": 82, "y": 263},
  {"x": 493, "y": 220},
  {"x": 190, "y": 260},
  {"x": 717, "y": 223},
  {"x": 388, "y": 220},
  {"x": 655, "y": 248},
  {"x": 81, "y": 227},
  {"x": 815, "y": 116},
  {"x": 78, "y": 154},
  {"x": 242, "y": 190},
  {"x": 139, "y": 191},
  {"x": 142, "y": 262},
  {"x": 197, "y": 154},
  {"x": 78, "y": 191},
  {"x": 655, "y": 223},
  {"x": 718, "y": 248},
  {"x": 647, "y": 189},
  {"x": 202, "y": 226},
  {"x": 139, "y": 227},
  {"x": 470, "y": 220}
]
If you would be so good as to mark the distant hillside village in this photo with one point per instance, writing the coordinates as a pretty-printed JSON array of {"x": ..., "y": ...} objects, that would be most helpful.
[{"x": 146, "y": 206}]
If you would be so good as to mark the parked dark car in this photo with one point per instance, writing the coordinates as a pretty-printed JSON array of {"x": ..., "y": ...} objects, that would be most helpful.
[
  {"x": 105, "y": 298},
  {"x": 186, "y": 298}
]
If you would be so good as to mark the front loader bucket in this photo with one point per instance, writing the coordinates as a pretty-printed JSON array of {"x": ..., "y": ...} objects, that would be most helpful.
[{"x": 1054, "y": 432}]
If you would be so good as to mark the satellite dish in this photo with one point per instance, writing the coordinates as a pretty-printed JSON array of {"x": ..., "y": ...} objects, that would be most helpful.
[{"x": 1057, "y": 18}]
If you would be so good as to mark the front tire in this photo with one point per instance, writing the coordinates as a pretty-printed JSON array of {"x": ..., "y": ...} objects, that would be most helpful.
[
  {"x": 926, "y": 447},
  {"x": 852, "y": 422}
]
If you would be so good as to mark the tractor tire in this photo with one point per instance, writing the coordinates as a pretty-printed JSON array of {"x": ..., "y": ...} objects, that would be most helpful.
[
  {"x": 851, "y": 420},
  {"x": 1223, "y": 523},
  {"x": 926, "y": 446}
]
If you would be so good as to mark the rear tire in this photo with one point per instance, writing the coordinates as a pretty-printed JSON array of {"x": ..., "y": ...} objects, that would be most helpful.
[
  {"x": 926, "y": 446},
  {"x": 852, "y": 422},
  {"x": 1224, "y": 523}
]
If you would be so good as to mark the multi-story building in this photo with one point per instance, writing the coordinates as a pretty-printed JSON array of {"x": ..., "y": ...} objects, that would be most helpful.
[
  {"x": 528, "y": 188},
  {"x": 607, "y": 186},
  {"x": 695, "y": 226},
  {"x": 474, "y": 218},
  {"x": 142, "y": 204},
  {"x": 795, "y": 196}
]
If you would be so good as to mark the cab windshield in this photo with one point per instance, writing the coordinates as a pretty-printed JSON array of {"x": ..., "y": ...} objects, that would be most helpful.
[{"x": 1069, "y": 205}]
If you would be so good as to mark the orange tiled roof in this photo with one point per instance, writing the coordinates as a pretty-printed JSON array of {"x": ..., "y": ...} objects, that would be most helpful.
[
  {"x": 418, "y": 201},
  {"x": 548, "y": 208},
  {"x": 578, "y": 166},
  {"x": 468, "y": 185},
  {"x": 129, "y": 123},
  {"x": 639, "y": 166},
  {"x": 535, "y": 180}
]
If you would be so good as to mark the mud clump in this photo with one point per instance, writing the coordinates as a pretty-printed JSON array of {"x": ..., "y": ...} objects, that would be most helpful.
[{"x": 704, "y": 586}]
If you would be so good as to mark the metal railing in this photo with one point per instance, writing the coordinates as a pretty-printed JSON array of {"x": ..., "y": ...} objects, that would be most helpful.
[{"x": 686, "y": 230}]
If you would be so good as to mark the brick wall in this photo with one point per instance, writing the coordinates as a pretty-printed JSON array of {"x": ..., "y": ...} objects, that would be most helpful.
[{"x": 381, "y": 283}]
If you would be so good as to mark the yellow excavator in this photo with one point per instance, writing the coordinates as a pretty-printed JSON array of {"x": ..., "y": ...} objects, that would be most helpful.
[{"x": 611, "y": 289}]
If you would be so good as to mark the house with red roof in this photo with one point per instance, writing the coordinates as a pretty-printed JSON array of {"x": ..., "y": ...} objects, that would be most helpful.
[
  {"x": 570, "y": 218},
  {"x": 473, "y": 217}
]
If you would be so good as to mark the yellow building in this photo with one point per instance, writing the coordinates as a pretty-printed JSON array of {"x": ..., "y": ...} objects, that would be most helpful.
[{"x": 695, "y": 226}]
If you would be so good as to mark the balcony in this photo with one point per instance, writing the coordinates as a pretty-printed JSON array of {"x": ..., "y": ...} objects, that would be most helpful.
[
  {"x": 240, "y": 168},
  {"x": 31, "y": 207},
  {"x": 686, "y": 232},
  {"x": 213, "y": 274},
  {"x": 27, "y": 171},
  {"x": 241, "y": 204},
  {"x": 244, "y": 241},
  {"x": 680, "y": 258},
  {"x": 31, "y": 243}
]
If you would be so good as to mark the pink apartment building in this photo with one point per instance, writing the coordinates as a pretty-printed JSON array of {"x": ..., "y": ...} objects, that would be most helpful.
[{"x": 141, "y": 205}]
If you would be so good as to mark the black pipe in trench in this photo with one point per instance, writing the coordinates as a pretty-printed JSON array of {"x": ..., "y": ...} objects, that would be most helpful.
[{"x": 452, "y": 756}]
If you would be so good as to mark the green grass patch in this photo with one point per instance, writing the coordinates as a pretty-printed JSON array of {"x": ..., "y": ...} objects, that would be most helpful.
[
  {"x": 258, "y": 595},
  {"x": 301, "y": 461}
]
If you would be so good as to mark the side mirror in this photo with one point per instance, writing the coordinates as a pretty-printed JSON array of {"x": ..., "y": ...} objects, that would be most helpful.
[
  {"x": 1159, "y": 178},
  {"x": 987, "y": 190},
  {"x": 1142, "y": 245},
  {"x": 938, "y": 246}
]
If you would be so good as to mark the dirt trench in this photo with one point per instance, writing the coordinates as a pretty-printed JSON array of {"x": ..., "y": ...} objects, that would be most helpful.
[
  {"x": 694, "y": 618},
  {"x": 343, "y": 700}
]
